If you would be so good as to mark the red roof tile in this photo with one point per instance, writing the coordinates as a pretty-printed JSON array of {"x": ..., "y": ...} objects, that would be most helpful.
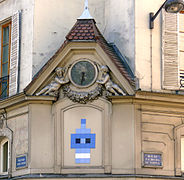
[{"x": 85, "y": 28}]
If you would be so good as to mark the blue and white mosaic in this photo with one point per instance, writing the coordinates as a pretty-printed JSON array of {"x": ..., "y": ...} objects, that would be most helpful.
[{"x": 83, "y": 141}]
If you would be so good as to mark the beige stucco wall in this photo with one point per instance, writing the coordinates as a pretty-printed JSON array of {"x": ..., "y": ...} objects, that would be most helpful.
[
  {"x": 157, "y": 127},
  {"x": 125, "y": 129},
  {"x": 135, "y": 128},
  {"x": 148, "y": 45},
  {"x": 41, "y": 137},
  {"x": 18, "y": 123},
  {"x": 122, "y": 138}
]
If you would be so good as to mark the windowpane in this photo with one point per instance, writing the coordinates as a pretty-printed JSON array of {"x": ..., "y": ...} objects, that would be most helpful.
[
  {"x": 6, "y": 35},
  {"x": 4, "y": 89},
  {"x": 5, "y": 70},
  {"x": 5, "y": 157},
  {"x": 4, "y": 59},
  {"x": 5, "y": 53}
]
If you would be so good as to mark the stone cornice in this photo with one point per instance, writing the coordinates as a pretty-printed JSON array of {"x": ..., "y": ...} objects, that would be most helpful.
[
  {"x": 140, "y": 97},
  {"x": 21, "y": 99},
  {"x": 151, "y": 98}
]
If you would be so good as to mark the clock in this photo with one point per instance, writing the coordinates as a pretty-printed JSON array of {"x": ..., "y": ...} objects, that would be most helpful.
[{"x": 83, "y": 73}]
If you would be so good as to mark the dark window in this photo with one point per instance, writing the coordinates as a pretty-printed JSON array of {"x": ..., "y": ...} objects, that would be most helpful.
[
  {"x": 5, "y": 157},
  {"x": 5, "y": 59}
]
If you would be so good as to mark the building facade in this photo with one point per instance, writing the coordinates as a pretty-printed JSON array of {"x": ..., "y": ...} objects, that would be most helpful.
[{"x": 97, "y": 95}]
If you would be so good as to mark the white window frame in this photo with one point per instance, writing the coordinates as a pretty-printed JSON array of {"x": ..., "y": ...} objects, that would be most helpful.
[{"x": 1, "y": 147}]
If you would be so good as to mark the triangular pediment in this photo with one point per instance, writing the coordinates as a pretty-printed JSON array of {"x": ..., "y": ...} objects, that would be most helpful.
[{"x": 85, "y": 67}]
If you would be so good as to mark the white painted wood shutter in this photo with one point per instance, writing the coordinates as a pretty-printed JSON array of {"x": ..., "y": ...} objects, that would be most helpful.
[
  {"x": 14, "y": 54},
  {"x": 170, "y": 51},
  {"x": 181, "y": 50}
]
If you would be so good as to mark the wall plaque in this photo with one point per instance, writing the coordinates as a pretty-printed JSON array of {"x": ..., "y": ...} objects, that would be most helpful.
[
  {"x": 152, "y": 160},
  {"x": 21, "y": 161}
]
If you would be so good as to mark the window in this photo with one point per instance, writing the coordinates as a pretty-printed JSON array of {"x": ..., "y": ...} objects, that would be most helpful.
[
  {"x": 5, "y": 59},
  {"x": 173, "y": 51},
  {"x": 4, "y": 155},
  {"x": 9, "y": 55}
]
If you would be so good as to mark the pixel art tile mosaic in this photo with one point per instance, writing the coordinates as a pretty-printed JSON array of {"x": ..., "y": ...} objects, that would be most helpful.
[{"x": 83, "y": 141}]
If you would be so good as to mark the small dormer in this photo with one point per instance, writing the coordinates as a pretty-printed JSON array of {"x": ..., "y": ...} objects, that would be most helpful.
[{"x": 83, "y": 77}]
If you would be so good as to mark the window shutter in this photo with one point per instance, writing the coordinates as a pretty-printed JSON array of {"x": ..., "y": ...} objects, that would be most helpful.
[
  {"x": 170, "y": 62},
  {"x": 181, "y": 49},
  {"x": 14, "y": 56}
]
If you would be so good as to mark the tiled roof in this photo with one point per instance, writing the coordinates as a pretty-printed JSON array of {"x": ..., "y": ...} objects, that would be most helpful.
[
  {"x": 86, "y": 30},
  {"x": 82, "y": 30}
]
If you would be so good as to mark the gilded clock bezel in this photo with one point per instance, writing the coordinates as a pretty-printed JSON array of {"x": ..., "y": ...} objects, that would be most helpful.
[{"x": 94, "y": 78}]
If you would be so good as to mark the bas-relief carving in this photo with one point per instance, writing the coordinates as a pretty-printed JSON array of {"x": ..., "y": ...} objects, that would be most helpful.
[
  {"x": 107, "y": 82},
  {"x": 53, "y": 88},
  {"x": 105, "y": 86},
  {"x": 2, "y": 119}
]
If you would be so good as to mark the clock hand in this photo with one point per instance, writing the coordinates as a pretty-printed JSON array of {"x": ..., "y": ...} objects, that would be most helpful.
[{"x": 82, "y": 79}]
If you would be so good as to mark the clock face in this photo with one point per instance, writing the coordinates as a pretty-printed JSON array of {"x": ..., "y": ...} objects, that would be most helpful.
[{"x": 83, "y": 73}]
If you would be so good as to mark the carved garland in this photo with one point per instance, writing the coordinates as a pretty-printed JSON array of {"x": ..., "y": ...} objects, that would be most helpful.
[{"x": 82, "y": 97}]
